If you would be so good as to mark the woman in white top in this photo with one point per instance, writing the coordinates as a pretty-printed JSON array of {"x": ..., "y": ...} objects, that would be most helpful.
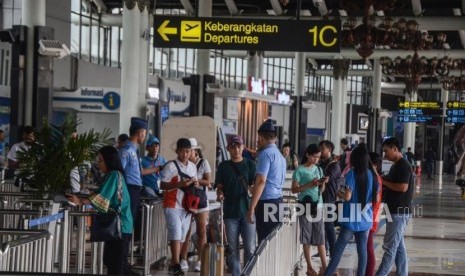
[{"x": 201, "y": 216}]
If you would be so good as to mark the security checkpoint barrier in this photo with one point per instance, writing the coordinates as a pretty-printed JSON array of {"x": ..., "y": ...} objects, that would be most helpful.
[
  {"x": 281, "y": 252},
  {"x": 26, "y": 251},
  {"x": 153, "y": 241}
]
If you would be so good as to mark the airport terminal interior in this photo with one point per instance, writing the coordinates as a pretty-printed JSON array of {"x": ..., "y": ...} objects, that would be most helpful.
[{"x": 362, "y": 70}]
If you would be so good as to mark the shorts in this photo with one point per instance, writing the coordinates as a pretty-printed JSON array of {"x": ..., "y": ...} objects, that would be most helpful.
[
  {"x": 206, "y": 209},
  {"x": 312, "y": 232},
  {"x": 177, "y": 223}
]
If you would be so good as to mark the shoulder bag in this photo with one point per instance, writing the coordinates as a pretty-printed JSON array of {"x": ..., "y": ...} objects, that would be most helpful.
[{"x": 107, "y": 226}]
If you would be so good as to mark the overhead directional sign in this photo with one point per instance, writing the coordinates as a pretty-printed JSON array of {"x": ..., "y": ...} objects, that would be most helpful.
[
  {"x": 414, "y": 119},
  {"x": 455, "y": 112},
  {"x": 247, "y": 34},
  {"x": 423, "y": 105}
]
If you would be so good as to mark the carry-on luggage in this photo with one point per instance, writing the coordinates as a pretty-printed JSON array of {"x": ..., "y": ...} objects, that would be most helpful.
[{"x": 212, "y": 255}]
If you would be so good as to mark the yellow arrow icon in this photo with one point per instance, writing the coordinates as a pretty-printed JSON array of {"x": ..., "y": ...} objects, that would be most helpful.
[{"x": 163, "y": 30}]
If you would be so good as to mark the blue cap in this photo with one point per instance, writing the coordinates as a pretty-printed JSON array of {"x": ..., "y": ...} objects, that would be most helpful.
[
  {"x": 138, "y": 123},
  {"x": 152, "y": 140},
  {"x": 267, "y": 126}
]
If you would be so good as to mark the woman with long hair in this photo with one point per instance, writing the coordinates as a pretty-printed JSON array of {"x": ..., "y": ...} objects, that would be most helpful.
[
  {"x": 309, "y": 181},
  {"x": 108, "y": 199},
  {"x": 358, "y": 195}
]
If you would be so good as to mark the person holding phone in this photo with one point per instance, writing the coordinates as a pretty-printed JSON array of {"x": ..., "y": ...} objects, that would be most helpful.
[
  {"x": 309, "y": 181},
  {"x": 358, "y": 194}
]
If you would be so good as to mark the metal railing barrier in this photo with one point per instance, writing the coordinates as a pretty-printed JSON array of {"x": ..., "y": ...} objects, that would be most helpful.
[{"x": 26, "y": 251}]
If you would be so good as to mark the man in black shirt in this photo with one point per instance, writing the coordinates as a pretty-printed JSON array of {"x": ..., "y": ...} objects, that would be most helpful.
[
  {"x": 333, "y": 171},
  {"x": 397, "y": 194}
]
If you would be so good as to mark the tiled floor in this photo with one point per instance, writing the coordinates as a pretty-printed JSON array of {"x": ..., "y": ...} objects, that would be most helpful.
[{"x": 435, "y": 238}]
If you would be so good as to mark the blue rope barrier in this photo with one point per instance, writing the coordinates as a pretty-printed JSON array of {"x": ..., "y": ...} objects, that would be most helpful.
[{"x": 39, "y": 221}]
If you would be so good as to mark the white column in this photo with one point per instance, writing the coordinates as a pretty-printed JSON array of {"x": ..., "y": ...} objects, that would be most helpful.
[
  {"x": 440, "y": 162},
  {"x": 261, "y": 65},
  {"x": 33, "y": 14},
  {"x": 252, "y": 64},
  {"x": 376, "y": 104},
  {"x": 130, "y": 66},
  {"x": 344, "y": 130},
  {"x": 203, "y": 55},
  {"x": 409, "y": 128},
  {"x": 143, "y": 64},
  {"x": 299, "y": 92},
  {"x": 336, "y": 114}
]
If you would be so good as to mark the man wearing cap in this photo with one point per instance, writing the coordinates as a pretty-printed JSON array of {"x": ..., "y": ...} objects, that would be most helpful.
[
  {"x": 269, "y": 180},
  {"x": 233, "y": 179},
  {"x": 152, "y": 164},
  {"x": 176, "y": 175},
  {"x": 130, "y": 160}
]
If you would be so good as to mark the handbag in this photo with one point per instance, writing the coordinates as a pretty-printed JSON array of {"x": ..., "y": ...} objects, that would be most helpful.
[
  {"x": 107, "y": 226},
  {"x": 194, "y": 198}
]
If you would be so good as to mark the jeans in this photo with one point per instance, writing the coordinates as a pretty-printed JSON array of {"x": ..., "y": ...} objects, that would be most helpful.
[
  {"x": 234, "y": 228},
  {"x": 330, "y": 236},
  {"x": 394, "y": 247},
  {"x": 344, "y": 237},
  {"x": 266, "y": 225}
]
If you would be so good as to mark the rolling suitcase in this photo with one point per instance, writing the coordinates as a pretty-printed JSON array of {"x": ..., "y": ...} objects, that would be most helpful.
[{"x": 212, "y": 255}]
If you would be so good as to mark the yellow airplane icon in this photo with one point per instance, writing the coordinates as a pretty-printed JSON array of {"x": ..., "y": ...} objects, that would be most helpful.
[
  {"x": 191, "y": 31},
  {"x": 190, "y": 27}
]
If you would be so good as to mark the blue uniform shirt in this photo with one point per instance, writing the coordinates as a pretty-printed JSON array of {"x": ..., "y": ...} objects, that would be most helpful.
[
  {"x": 131, "y": 164},
  {"x": 150, "y": 180},
  {"x": 272, "y": 165}
]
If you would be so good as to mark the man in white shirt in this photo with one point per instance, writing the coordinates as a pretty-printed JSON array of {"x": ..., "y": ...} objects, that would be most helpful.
[{"x": 28, "y": 140}]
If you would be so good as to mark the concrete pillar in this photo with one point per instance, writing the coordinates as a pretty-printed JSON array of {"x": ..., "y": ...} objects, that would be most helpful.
[
  {"x": 261, "y": 65},
  {"x": 252, "y": 64},
  {"x": 130, "y": 59},
  {"x": 203, "y": 55},
  {"x": 143, "y": 62},
  {"x": 376, "y": 104},
  {"x": 440, "y": 162},
  {"x": 299, "y": 92},
  {"x": 340, "y": 70},
  {"x": 409, "y": 128},
  {"x": 344, "y": 130},
  {"x": 33, "y": 14}
]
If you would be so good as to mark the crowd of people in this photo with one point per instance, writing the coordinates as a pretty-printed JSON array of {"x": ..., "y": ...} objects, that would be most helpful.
[{"x": 247, "y": 188}]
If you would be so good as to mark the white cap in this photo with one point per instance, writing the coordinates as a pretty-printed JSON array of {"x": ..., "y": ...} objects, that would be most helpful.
[{"x": 194, "y": 144}]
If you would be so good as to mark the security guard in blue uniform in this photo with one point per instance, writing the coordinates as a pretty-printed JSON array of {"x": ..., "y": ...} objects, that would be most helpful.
[{"x": 130, "y": 160}]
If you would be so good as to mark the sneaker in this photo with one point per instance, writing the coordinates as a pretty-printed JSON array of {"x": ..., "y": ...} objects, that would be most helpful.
[
  {"x": 198, "y": 265},
  {"x": 175, "y": 270},
  {"x": 184, "y": 265}
]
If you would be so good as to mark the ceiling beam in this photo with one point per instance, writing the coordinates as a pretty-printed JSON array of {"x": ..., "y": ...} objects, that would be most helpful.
[
  {"x": 416, "y": 7},
  {"x": 276, "y": 7},
  {"x": 232, "y": 7},
  {"x": 188, "y": 6}
]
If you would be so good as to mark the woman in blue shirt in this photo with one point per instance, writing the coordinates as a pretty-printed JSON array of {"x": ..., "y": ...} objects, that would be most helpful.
[
  {"x": 358, "y": 194},
  {"x": 107, "y": 198}
]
